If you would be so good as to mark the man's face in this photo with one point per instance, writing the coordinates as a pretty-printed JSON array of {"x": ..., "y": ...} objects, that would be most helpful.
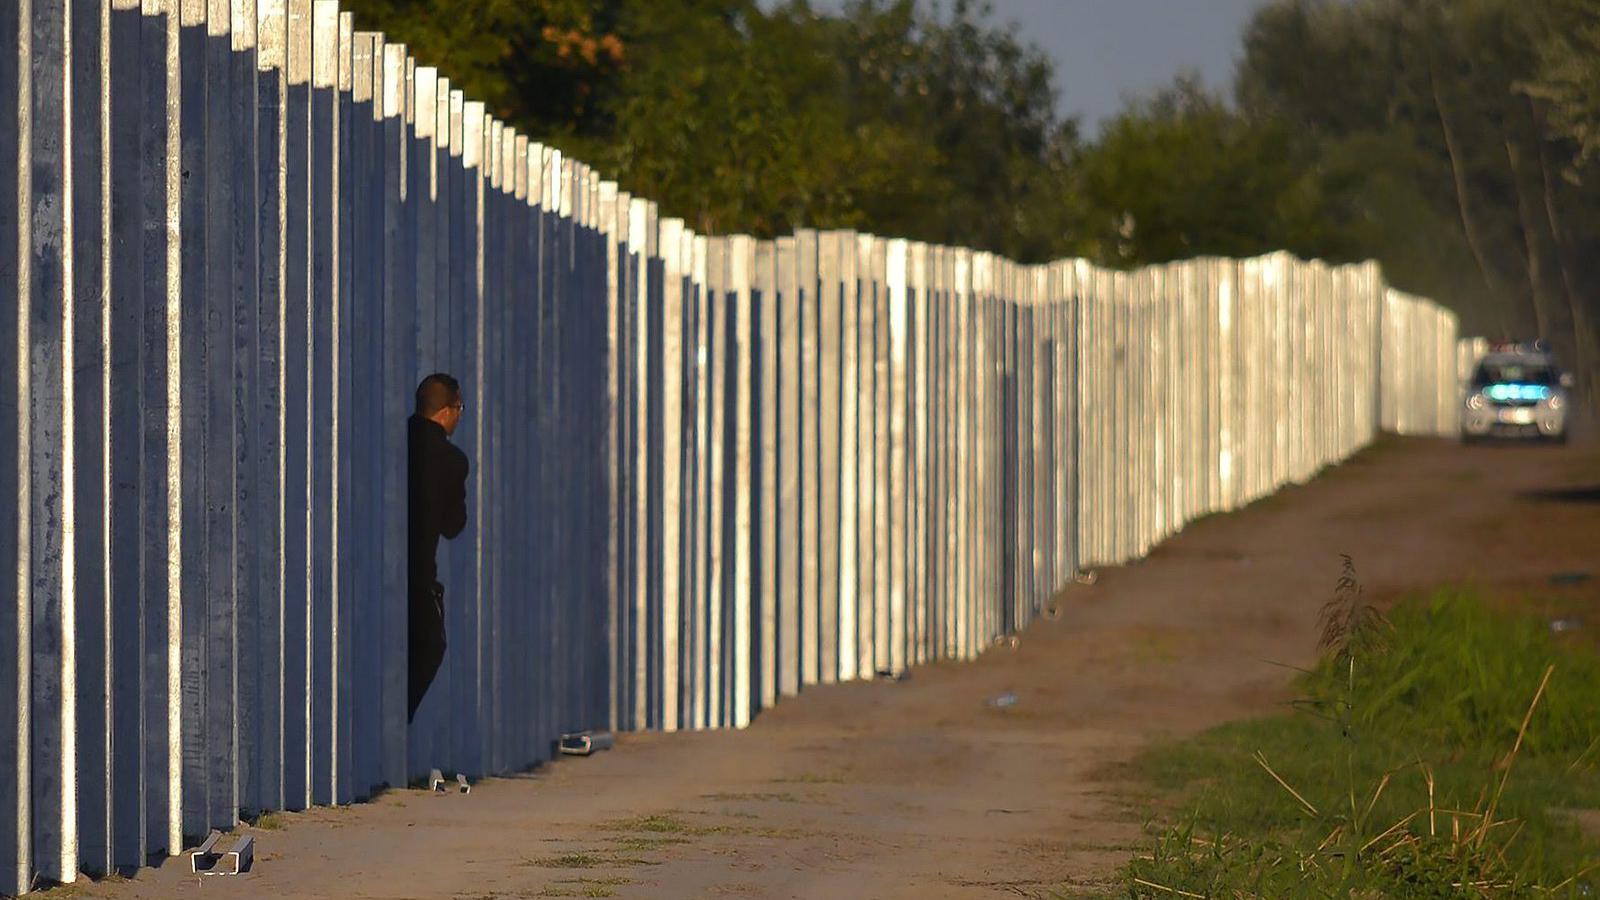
[{"x": 450, "y": 416}]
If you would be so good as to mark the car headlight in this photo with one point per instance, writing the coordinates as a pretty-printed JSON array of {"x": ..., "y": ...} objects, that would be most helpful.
[{"x": 1475, "y": 401}]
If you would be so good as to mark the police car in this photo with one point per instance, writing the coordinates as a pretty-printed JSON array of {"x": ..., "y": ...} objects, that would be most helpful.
[{"x": 1516, "y": 390}]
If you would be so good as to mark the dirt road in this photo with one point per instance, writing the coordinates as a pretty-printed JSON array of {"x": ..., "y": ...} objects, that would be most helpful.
[{"x": 921, "y": 789}]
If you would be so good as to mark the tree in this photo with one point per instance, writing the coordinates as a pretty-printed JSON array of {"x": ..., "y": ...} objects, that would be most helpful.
[
  {"x": 892, "y": 115},
  {"x": 547, "y": 66},
  {"x": 1442, "y": 91},
  {"x": 1180, "y": 175},
  {"x": 1567, "y": 77}
]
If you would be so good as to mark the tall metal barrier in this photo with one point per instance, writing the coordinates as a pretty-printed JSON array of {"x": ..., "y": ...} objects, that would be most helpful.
[
  {"x": 1469, "y": 350},
  {"x": 707, "y": 472},
  {"x": 1421, "y": 387}
]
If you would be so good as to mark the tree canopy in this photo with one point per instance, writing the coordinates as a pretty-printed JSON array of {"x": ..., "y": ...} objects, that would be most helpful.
[
  {"x": 1461, "y": 131},
  {"x": 1456, "y": 141}
]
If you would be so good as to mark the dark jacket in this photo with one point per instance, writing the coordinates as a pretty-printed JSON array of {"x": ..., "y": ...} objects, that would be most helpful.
[{"x": 437, "y": 492}]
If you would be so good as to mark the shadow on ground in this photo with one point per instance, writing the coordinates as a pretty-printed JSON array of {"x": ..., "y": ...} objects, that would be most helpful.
[{"x": 1579, "y": 494}]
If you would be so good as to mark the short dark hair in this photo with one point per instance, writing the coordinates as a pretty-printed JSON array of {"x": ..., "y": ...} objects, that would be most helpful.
[{"x": 436, "y": 392}]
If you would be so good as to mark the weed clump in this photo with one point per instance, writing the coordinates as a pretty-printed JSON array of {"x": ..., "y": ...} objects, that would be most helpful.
[
  {"x": 1457, "y": 673},
  {"x": 1433, "y": 754}
]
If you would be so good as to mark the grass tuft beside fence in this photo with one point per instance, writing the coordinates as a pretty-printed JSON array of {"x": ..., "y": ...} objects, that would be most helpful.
[{"x": 1445, "y": 749}]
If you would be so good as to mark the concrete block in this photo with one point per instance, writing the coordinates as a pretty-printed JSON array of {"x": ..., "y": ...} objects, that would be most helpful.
[
  {"x": 90, "y": 255},
  {"x": 851, "y": 502},
  {"x": 125, "y": 431},
  {"x": 322, "y": 485},
  {"x": 395, "y": 386},
  {"x": 45, "y": 538},
  {"x": 372, "y": 605},
  {"x": 678, "y": 370},
  {"x": 766, "y": 438},
  {"x": 697, "y": 663},
  {"x": 919, "y": 309},
  {"x": 808, "y": 318},
  {"x": 830, "y": 403},
  {"x": 875, "y": 262},
  {"x": 160, "y": 388},
  {"x": 16, "y": 107},
  {"x": 715, "y": 469},
  {"x": 743, "y": 392},
  {"x": 294, "y": 378},
  {"x": 792, "y": 540},
  {"x": 898, "y": 446}
]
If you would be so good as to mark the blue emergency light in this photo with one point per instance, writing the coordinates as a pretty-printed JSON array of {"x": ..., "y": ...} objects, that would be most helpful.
[{"x": 1517, "y": 392}]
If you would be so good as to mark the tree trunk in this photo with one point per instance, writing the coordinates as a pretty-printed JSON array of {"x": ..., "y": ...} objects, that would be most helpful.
[
  {"x": 1549, "y": 308},
  {"x": 1469, "y": 224},
  {"x": 1586, "y": 338}
]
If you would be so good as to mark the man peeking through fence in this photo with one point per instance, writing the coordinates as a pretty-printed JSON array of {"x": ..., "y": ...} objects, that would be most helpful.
[{"x": 437, "y": 485}]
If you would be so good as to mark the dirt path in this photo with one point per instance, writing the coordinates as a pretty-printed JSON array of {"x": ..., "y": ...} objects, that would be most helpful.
[{"x": 918, "y": 788}]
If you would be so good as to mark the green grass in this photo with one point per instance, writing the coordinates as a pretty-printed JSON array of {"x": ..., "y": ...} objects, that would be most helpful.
[
  {"x": 1412, "y": 768},
  {"x": 661, "y": 823},
  {"x": 810, "y": 778},
  {"x": 586, "y": 860},
  {"x": 268, "y": 822},
  {"x": 782, "y": 797},
  {"x": 1456, "y": 673},
  {"x": 637, "y": 844},
  {"x": 584, "y": 887},
  {"x": 569, "y": 861}
]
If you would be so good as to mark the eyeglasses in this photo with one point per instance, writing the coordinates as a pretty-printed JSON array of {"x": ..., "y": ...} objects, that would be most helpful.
[{"x": 460, "y": 406}]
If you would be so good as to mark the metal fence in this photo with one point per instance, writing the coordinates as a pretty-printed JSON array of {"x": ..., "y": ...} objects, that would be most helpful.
[
  {"x": 707, "y": 471},
  {"x": 1469, "y": 351},
  {"x": 1421, "y": 386}
]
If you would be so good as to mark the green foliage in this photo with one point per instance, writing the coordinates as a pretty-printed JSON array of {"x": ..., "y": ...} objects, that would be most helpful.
[
  {"x": 1460, "y": 674},
  {"x": 887, "y": 117},
  {"x": 548, "y": 66},
  {"x": 1458, "y": 128},
  {"x": 1415, "y": 775},
  {"x": 1455, "y": 141},
  {"x": 1567, "y": 77},
  {"x": 1180, "y": 175},
  {"x": 892, "y": 115}
]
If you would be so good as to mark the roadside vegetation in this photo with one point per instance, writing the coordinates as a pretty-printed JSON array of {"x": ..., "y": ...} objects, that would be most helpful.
[
  {"x": 1446, "y": 749},
  {"x": 1457, "y": 142}
]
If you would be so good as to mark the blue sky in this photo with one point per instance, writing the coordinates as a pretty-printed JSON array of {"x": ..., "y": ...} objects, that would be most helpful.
[{"x": 1105, "y": 50}]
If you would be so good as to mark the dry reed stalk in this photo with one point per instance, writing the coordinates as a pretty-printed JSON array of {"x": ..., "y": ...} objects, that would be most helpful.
[
  {"x": 1390, "y": 830},
  {"x": 1575, "y": 876},
  {"x": 1517, "y": 747},
  {"x": 1501, "y": 850},
  {"x": 1427, "y": 775},
  {"x": 1346, "y": 619},
  {"x": 1376, "y": 794},
  {"x": 1161, "y": 887},
  {"x": 1262, "y": 761},
  {"x": 1584, "y": 755}
]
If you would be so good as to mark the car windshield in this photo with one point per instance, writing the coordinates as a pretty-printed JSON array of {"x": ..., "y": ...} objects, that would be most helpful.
[{"x": 1515, "y": 373}]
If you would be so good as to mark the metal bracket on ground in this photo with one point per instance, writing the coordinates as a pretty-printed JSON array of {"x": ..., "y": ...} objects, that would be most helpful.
[
  {"x": 583, "y": 743},
  {"x": 437, "y": 783},
  {"x": 209, "y": 859}
]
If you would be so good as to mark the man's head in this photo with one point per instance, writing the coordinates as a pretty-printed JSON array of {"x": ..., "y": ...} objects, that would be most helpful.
[{"x": 439, "y": 399}]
